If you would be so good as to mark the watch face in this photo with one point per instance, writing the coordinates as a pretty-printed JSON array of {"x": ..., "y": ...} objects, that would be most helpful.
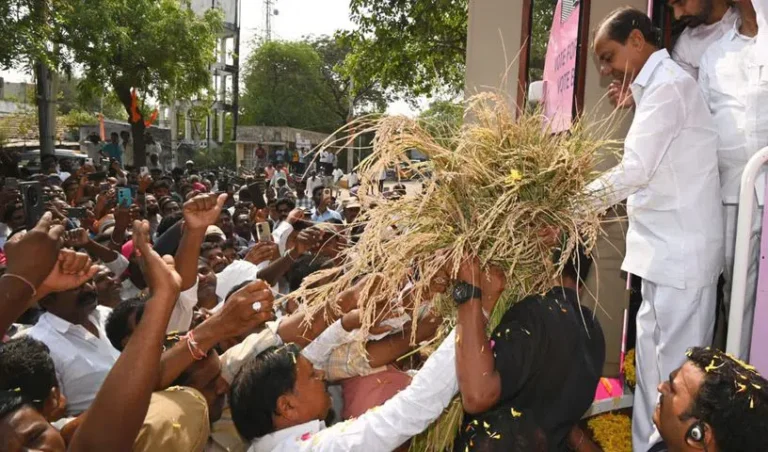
[{"x": 461, "y": 292}]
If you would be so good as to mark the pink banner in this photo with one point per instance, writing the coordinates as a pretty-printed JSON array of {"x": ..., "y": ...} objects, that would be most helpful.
[{"x": 560, "y": 69}]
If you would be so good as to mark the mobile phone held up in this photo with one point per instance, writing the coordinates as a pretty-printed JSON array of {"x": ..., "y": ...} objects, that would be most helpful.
[
  {"x": 124, "y": 198},
  {"x": 263, "y": 233}
]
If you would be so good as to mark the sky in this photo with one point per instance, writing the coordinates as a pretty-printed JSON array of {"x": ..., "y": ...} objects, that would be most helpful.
[{"x": 295, "y": 19}]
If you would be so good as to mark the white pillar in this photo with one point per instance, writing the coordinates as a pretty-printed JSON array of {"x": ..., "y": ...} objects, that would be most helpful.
[{"x": 187, "y": 125}]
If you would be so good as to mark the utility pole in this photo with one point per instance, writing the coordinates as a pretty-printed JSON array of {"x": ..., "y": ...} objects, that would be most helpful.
[
  {"x": 268, "y": 20},
  {"x": 46, "y": 84}
]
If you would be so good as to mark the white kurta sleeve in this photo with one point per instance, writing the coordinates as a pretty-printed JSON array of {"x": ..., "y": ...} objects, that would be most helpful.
[
  {"x": 118, "y": 265},
  {"x": 406, "y": 414},
  {"x": 659, "y": 117},
  {"x": 181, "y": 317},
  {"x": 319, "y": 350}
]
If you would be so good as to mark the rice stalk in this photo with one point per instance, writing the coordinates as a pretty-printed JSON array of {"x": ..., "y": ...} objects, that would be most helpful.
[{"x": 488, "y": 191}]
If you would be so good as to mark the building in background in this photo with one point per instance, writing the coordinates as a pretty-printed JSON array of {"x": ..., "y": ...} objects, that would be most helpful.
[
  {"x": 189, "y": 129},
  {"x": 249, "y": 138}
]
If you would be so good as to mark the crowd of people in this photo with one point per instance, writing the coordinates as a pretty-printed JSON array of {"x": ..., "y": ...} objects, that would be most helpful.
[{"x": 155, "y": 309}]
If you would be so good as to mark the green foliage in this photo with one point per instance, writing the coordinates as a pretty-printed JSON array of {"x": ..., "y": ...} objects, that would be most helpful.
[
  {"x": 284, "y": 86},
  {"x": 418, "y": 47},
  {"x": 71, "y": 98},
  {"x": 223, "y": 156},
  {"x": 157, "y": 46},
  {"x": 300, "y": 84},
  {"x": 347, "y": 99},
  {"x": 75, "y": 118},
  {"x": 24, "y": 36},
  {"x": 442, "y": 120}
]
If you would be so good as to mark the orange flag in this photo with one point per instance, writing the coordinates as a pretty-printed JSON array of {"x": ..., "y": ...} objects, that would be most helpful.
[
  {"x": 152, "y": 118},
  {"x": 135, "y": 115}
]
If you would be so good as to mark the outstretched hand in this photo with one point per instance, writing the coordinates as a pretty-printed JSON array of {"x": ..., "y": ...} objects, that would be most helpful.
[
  {"x": 159, "y": 272},
  {"x": 203, "y": 210},
  {"x": 32, "y": 255},
  {"x": 246, "y": 309},
  {"x": 263, "y": 252},
  {"x": 76, "y": 237}
]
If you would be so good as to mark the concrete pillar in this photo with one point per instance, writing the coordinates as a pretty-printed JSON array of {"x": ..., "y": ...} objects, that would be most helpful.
[
  {"x": 494, "y": 25},
  {"x": 187, "y": 125}
]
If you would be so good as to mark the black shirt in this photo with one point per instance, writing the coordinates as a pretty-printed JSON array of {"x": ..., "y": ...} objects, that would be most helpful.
[{"x": 549, "y": 353}]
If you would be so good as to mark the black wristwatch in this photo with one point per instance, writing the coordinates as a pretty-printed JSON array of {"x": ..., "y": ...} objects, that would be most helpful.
[{"x": 463, "y": 292}]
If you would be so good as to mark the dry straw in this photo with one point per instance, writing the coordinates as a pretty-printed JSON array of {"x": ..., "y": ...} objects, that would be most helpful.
[{"x": 489, "y": 190}]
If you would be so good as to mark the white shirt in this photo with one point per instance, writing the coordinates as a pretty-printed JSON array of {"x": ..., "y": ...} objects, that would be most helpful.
[
  {"x": 183, "y": 311},
  {"x": 337, "y": 174},
  {"x": 353, "y": 179},
  {"x": 736, "y": 88},
  {"x": 383, "y": 428},
  {"x": 669, "y": 176},
  {"x": 82, "y": 360},
  {"x": 693, "y": 42},
  {"x": 761, "y": 9},
  {"x": 312, "y": 184}
]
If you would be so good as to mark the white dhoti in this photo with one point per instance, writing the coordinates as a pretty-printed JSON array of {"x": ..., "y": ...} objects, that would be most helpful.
[
  {"x": 669, "y": 322},
  {"x": 731, "y": 217}
]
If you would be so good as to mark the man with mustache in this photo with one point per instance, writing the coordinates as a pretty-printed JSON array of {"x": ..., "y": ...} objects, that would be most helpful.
[
  {"x": 706, "y": 22},
  {"x": 74, "y": 329}
]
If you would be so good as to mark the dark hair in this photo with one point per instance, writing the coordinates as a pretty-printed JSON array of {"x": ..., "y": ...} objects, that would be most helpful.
[
  {"x": 316, "y": 189},
  {"x": 257, "y": 387},
  {"x": 10, "y": 208},
  {"x": 286, "y": 201},
  {"x": 167, "y": 222},
  {"x": 622, "y": 21},
  {"x": 161, "y": 183},
  {"x": 117, "y": 322},
  {"x": 208, "y": 246},
  {"x": 10, "y": 402},
  {"x": 244, "y": 195},
  {"x": 304, "y": 266},
  {"x": 27, "y": 366},
  {"x": 578, "y": 265},
  {"x": 236, "y": 288},
  {"x": 228, "y": 244},
  {"x": 733, "y": 400}
]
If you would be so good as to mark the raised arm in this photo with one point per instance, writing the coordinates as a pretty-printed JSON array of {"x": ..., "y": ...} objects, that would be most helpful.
[
  {"x": 114, "y": 419},
  {"x": 479, "y": 381},
  {"x": 36, "y": 267},
  {"x": 199, "y": 213}
]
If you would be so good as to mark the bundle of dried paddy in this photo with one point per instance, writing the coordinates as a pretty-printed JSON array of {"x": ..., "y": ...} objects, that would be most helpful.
[{"x": 488, "y": 192}]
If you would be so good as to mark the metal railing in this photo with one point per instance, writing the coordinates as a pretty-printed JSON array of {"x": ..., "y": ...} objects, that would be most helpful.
[{"x": 742, "y": 251}]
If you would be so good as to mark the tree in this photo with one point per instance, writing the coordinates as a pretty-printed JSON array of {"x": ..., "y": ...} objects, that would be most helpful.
[
  {"x": 23, "y": 36},
  {"x": 71, "y": 98},
  {"x": 283, "y": 86},
  {"x": 419, "y": 47},
  {"x": 346, "y": 99},
  {"x": 158, "y": 47}
]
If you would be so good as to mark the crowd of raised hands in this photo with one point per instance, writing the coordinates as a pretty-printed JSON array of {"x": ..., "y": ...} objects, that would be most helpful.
[{"x": 161, "y": 341}]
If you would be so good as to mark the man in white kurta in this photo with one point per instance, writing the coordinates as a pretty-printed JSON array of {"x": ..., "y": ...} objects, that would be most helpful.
[
  {"x": 695, "y": 40},
  {"x": 669, "y": 177},
  {"x": 735, "y": 86}
]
